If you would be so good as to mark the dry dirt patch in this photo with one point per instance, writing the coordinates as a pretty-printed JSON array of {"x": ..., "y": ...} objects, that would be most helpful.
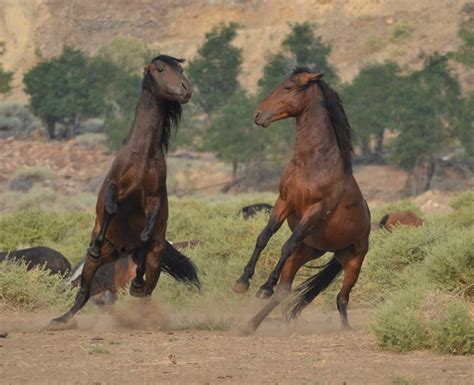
[{"x": 314, "y": 351}]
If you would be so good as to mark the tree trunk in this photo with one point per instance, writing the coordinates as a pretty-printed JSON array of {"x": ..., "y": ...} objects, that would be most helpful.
[
  {"x": 420, "y": 177},
  {"x": 50, "y": 128},
  {"x": 235, "y": 166},
  {"x": 379, "y": 144}
]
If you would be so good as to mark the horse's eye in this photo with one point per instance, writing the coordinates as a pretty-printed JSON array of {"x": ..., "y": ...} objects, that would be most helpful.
[
  {"x": 160, "y": 69},
  {"x": 287, "y": 87}
]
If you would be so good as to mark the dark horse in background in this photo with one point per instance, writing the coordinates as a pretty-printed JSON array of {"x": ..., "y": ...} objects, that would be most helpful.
[
  {"x": 319, "y": 197},
  {"x": 115, "y": 276},
  {"x": 39, "y": 256},
  {"x": 132, "y": 206}
]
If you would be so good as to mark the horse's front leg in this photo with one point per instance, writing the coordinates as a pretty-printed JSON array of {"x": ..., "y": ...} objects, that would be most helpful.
[
  {"x": 137, "y": 286},
  {"x": 154, "y": 259},
  {"x": 310, "y": 219},
  {"x": 279, "y": 213}
]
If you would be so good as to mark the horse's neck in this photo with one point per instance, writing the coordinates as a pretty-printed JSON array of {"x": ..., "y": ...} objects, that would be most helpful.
[
  {"x": 146, "y": 136},
  {"x": 316, "y": 142}
]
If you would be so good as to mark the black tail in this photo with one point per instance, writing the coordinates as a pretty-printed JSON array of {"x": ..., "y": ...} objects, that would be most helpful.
[
  {"x": 384, "y": 220},
  {"x": 309, "y": 289},
  {"x": 179, "y": 266}
]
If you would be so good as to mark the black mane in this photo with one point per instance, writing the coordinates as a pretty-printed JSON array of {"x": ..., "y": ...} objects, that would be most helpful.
[
  {"x": 337, "y": 117},
  {"x": 172, "y": 109}
]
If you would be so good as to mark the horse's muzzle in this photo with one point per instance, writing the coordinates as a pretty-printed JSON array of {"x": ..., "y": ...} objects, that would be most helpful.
[{"x": 262, "y": 119}]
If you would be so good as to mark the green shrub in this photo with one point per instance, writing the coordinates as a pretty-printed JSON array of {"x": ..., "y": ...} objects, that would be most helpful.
[
  {"x": 463, "y": 207},
  {"x": 401, "y": 31},
  {"x": 68, "y": 233},
  {"x": 450, "y": 265},
  {"x": 393, "y": 259},
  {"x": 418, "y": 317},
  {"x": 32, "y": 290},
  {"x": 397, "y": 326},
  {"x": 453, "y": 331},
  {"x": 17, "y": 120},
  {"x": 24, "y": 178}
]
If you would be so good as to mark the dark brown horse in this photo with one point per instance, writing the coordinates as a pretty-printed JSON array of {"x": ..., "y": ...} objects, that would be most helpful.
[
  {"x": 132, "y": 206},
  {"x": 319, "y": 197},
  {"x": 39, "y": 256},
  {"x": 115, "y": 276}
]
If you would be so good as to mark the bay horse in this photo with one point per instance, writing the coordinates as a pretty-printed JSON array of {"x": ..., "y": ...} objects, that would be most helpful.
[
  {"x": 132, "y": 206},
  {"x": 405, "y": 218},
  {"x": 39, "y": 256},
  {"x": 318, "y": 197}
]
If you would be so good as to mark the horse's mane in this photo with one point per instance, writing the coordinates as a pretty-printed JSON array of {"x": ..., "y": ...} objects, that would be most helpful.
[
  {"x": 172, "y": 109},
  {"x": 337, "y": 117}
]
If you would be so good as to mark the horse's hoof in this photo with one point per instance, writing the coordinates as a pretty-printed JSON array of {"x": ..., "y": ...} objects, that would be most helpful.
[
  {"x": 62, "y": 323},
  {"x": 263, "y": 293},
  {"x": 241, "y": 286},
  {"x": 247, "y": 329},
  {"x": 137, "y": 290},
  {"x": 94, "y": 252},
  {"x": 346, "y": 328}
]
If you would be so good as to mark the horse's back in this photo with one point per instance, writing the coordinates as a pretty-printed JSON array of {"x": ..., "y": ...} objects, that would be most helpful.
[
  {"x": 41, "y": 256},
  {"x": 404, "y": 218}
]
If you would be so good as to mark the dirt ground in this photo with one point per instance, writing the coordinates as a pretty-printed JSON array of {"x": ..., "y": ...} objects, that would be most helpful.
[{"x": 114, "y": 348}]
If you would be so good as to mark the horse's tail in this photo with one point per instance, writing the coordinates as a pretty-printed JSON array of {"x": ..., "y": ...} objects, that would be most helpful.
[
  {"x": 384, "y": 220},
  {"x": 179, "y": 266},
  {"x": 309, "y": 289}
]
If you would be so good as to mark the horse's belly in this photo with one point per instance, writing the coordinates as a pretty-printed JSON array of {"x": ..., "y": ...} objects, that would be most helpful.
[{"x": 125, "y": 228}]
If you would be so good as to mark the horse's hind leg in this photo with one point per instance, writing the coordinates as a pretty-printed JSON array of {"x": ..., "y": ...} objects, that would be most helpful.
[
  {"x": 137, "y": 286},
  {"x": 351, "y": 260},
  {"x": 153, "y": 265},
  {"x": 277, "y": 217},
  {"x": 110, "y": 209},
  {"x": 107, "y": 254}
]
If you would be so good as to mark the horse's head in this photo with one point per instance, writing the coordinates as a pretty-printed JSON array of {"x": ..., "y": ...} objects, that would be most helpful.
[
  {"x": 286, "y": 99},
  {"x": 165, "y": 78}
]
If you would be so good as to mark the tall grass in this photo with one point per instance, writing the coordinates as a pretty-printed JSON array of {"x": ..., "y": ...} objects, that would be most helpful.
[{"x": 32, "y": 290}]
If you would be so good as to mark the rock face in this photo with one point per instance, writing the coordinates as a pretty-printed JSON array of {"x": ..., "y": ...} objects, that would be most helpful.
[{"x": 359, "y": 30}]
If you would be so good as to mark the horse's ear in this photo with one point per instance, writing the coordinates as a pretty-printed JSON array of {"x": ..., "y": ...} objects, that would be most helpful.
[{"x": 309, "y": 77}]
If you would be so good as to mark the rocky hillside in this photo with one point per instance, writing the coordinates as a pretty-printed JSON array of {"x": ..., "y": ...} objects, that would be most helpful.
[{"x": 360, "y": 31}]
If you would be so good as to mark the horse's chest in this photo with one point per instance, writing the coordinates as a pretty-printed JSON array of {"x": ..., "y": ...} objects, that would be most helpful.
[{"x": 299, "y": 188}]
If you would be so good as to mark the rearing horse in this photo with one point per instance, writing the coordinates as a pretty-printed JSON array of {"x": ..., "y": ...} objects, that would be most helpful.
[
  {"x": 132, "y": 206},
  {"x": 319, "y": 197}
]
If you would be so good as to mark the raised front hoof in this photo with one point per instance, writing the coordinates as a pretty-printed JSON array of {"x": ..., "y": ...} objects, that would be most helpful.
[
  {"x": 137, "y": 290},
  {"x": 241, "y": 286},
  {"x": 264, "y": 293}
]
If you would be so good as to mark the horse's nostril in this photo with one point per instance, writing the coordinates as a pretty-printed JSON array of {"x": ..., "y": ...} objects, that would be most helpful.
[
  {"x": 184, "y": 86},
  {"x": 257, "y": 115}
]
